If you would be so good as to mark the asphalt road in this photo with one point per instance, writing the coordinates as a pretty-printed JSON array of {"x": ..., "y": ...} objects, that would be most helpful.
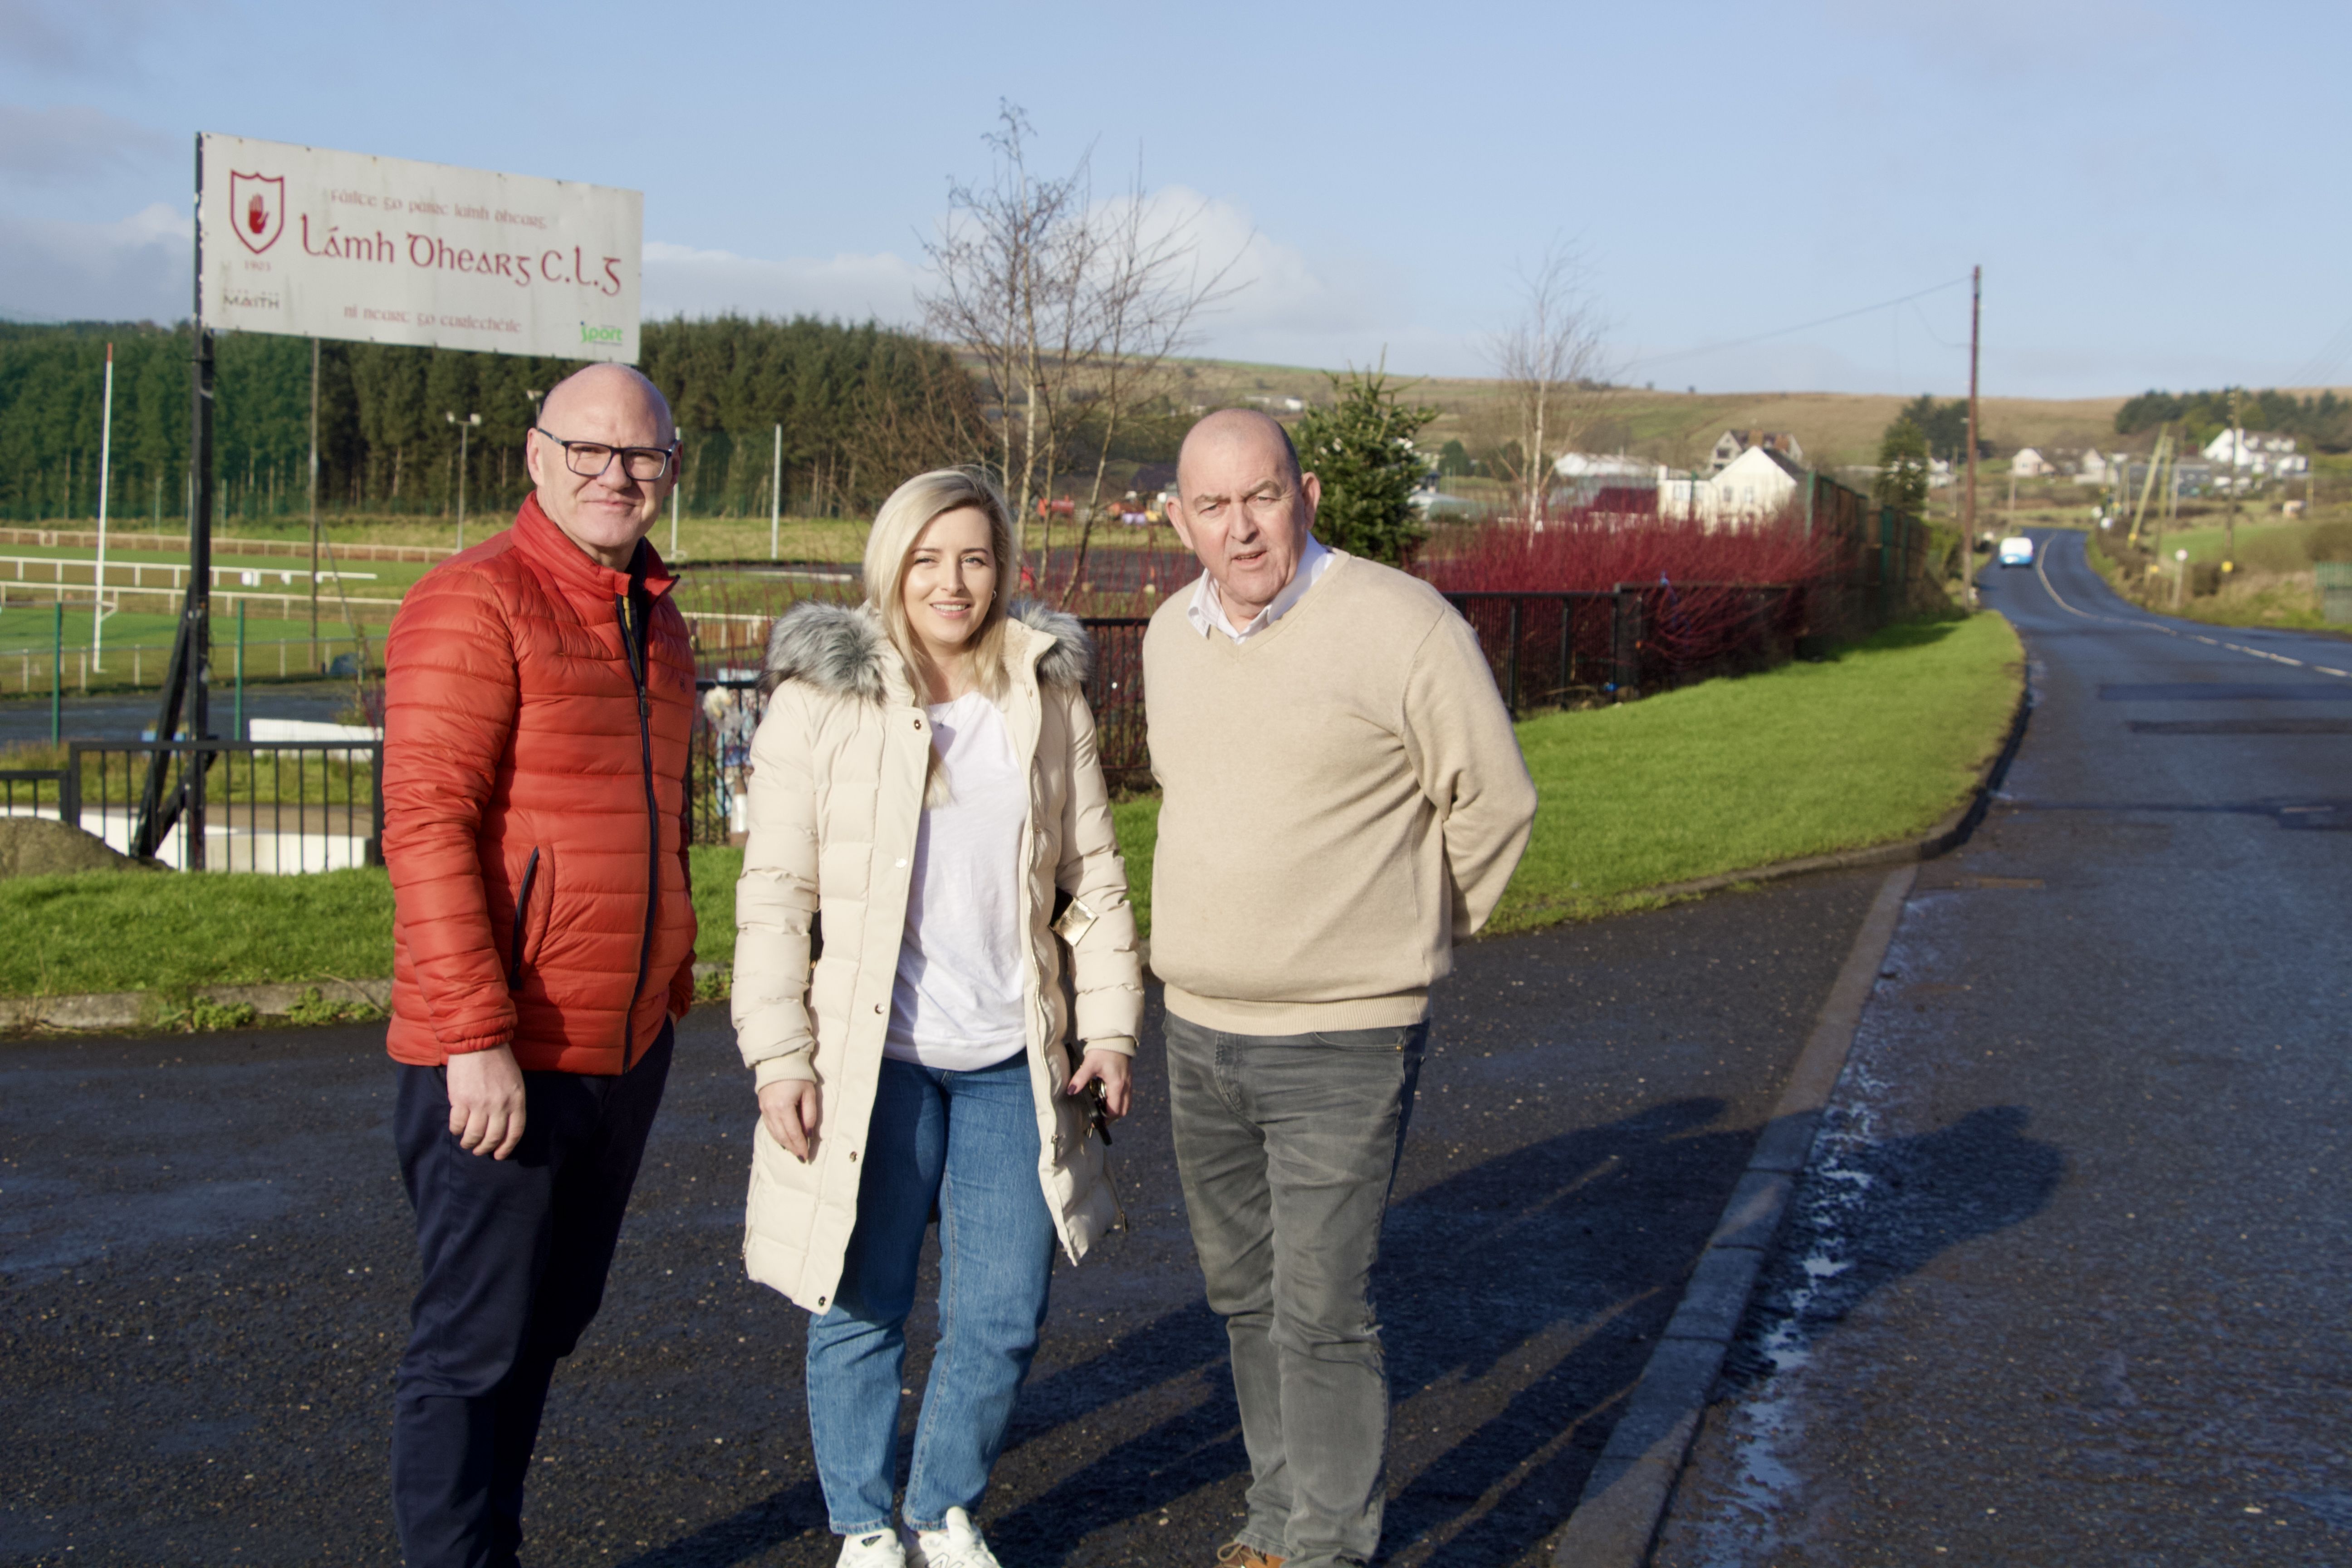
[
  {"x": 206, "y": 1258},
  {"x": 2067, "y": 1283},
  {"x": 126, "y": 716}
]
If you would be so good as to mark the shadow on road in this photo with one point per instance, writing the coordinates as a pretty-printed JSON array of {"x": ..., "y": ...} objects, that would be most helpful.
[
  {"x": 1872, "y": 1214},
  {"x": 1569, "y": 1253}
]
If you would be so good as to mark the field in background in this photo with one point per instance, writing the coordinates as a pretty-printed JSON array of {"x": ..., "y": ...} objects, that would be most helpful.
[{"x": 1678, "y": 428}]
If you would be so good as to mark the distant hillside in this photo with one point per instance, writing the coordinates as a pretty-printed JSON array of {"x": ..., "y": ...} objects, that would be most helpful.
[{"x": 1677, "y": 428}]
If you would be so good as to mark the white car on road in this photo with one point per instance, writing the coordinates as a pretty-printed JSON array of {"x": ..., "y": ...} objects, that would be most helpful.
[{"x": 2016, "y": 550}]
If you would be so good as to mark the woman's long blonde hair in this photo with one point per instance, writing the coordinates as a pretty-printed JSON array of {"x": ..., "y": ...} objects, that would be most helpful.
[{"x": 903, "y": 518}]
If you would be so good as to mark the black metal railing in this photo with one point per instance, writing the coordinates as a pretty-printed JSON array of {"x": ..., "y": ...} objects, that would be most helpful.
[
  {"x": 237, "y": 806},
  {"x": 1548, "y": 650},
  {"x": 1545, "y": 650},
  {"x": 22, "y": 792}
]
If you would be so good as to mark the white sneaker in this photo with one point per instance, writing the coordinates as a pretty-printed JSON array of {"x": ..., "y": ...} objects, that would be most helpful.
[
  {"x": 955, "y": 1544},
  {"x": 879, "y": 1549}
]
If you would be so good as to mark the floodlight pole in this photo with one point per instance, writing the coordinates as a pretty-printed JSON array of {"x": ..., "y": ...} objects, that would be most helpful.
[
  {"x": 465, "y": 428},
  {"x": 105, "y": 466}
]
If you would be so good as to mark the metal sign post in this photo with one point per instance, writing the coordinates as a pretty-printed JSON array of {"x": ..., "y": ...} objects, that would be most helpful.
[{"x": 185, "y": 679}]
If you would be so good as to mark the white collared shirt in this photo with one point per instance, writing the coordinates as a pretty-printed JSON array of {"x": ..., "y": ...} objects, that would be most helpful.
[{"x": 1207, "y": 610}]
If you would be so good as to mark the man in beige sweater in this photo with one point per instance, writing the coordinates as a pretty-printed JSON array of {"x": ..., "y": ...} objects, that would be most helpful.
[{"x": 1343, "y": 799}]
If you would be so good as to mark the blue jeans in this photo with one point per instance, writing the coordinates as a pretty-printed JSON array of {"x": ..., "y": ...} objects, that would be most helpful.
[
  {"x": 966, "y": 1143},
  {"x": 1287, "y": 1146}
]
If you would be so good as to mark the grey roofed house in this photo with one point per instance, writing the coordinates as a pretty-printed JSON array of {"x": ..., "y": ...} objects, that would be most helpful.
[{"x": 1731, "y": 443}]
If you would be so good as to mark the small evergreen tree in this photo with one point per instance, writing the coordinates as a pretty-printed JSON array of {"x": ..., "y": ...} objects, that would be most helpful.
[
  {"x": 1902, "y": 467},
  {"x": 1453, "y": 460},
  {"x": 1361, "y": 449}
]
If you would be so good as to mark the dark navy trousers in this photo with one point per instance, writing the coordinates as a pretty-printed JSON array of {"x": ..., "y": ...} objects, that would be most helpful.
[{"x": 515, "y": 1253}]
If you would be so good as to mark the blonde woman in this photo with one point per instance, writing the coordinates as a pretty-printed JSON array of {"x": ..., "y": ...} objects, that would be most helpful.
[{"x": 927, "y": 818}]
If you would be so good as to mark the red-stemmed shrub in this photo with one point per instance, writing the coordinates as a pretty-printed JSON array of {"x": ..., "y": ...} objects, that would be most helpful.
[{"x": 1595, "y": 551}]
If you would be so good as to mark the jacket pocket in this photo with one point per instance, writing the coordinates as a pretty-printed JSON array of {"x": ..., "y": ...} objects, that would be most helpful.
[
  {"x": 792, "y": 1184},
  {"x": 519, "y": 941}
]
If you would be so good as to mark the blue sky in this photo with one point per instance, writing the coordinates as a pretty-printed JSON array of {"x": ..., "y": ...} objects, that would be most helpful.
[{"x": 2153, "y": 190}]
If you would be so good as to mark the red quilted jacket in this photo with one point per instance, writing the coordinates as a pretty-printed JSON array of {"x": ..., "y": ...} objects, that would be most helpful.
[{"x": 534, "y": 808}]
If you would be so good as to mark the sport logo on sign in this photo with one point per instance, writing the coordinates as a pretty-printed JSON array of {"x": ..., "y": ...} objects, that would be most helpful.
[{"x": 257, "y": 209}]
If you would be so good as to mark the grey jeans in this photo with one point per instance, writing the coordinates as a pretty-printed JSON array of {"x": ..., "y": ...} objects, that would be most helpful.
[{"x": 1287, "y": 1145}]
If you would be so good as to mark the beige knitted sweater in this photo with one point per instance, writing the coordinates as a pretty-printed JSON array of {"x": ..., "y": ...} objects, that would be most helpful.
[{"x": 1343, "y": 799}]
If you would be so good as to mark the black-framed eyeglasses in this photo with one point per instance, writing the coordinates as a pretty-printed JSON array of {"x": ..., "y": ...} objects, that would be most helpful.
[{"x": 589, "y": 459}]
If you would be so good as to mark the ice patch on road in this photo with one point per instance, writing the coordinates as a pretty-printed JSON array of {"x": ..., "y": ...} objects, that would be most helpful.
[{"x": 1767, "y": 1424}]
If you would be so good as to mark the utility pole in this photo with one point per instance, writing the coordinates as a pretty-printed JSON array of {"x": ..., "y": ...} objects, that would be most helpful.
[
  {"x": 1976, "y": 316},
  {"x": 2237, "y": 487},
  {"x": 465, "y": 428},
  {"x": 314, "y": 505},
  {"x": 776, "y": 493}
]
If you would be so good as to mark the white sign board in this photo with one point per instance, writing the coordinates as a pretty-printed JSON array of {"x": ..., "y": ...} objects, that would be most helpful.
[{"x": 381, "y": 250}]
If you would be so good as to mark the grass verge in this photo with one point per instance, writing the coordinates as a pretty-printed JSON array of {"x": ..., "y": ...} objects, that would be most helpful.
[
  {"x": 171, "y": 933},
  {"x": 2257, "y": 596},
  {"x": 1872, "y": 747},
  {"x": 168, "y": 933}
]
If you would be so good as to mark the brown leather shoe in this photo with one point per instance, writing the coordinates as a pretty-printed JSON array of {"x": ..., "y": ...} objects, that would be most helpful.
[{"x": 1233, "y": 1554}]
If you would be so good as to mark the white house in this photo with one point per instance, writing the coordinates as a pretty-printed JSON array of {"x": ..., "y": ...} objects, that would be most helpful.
[
  {"x": 2256, "y": 454},
  {"x": 2094, "y": 470},
  {"x": 2030, "y": 464},
  {"x": 1756, "y": 486}
]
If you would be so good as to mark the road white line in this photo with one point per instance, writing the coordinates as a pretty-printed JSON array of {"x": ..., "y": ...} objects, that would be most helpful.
[{"x": 2041, "y": 571}]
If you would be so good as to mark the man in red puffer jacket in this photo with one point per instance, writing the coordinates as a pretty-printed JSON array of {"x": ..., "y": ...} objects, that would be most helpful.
[{"x": 539, "y": 702}]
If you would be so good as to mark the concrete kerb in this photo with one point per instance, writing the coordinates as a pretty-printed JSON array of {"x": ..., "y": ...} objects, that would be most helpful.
[
  {"x": 1626, "y": 1494},
  {"x": 1626, "y": 1497},
  {"x": 115, "y": 1011}
]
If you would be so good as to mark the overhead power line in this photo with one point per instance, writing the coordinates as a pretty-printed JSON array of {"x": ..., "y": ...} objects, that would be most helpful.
[
  {"x": 1800, "y": 327},
  {"x": 2320, "y": 369}
]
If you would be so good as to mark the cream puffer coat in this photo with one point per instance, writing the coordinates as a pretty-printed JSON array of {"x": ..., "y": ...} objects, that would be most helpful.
[{"x": 839, "y": 769}]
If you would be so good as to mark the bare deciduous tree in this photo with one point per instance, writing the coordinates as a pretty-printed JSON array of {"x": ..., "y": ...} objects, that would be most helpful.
[
  {"x": 1003, "y": 260},
  {"x": 1144, "y": 298},
  {"x": 1070, "y": 311},
  {"x": 1555, "y": 371}
]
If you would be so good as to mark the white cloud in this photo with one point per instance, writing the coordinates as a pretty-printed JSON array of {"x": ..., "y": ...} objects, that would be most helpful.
[
  {"x": 1279, "y": 305},
  {"x": 683, "y": 280},
  {"x": 72, "y": 140},
  {"x": 136, "y": 269}
]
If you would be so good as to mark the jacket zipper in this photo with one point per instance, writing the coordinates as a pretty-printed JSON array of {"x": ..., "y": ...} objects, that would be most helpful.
[
  {"x": 522, "y": 908},
  {"x": 633, "y": 650}
]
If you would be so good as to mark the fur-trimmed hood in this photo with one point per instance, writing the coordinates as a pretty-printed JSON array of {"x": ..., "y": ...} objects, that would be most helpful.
[{"x": 842, "y": 649}]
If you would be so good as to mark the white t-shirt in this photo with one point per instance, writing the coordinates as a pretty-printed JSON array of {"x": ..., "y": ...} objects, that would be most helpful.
[{"x": 959, "y": 999}]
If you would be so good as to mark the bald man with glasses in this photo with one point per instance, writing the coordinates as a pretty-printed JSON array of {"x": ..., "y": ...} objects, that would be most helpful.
[{"x": 539, "y": 702}]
